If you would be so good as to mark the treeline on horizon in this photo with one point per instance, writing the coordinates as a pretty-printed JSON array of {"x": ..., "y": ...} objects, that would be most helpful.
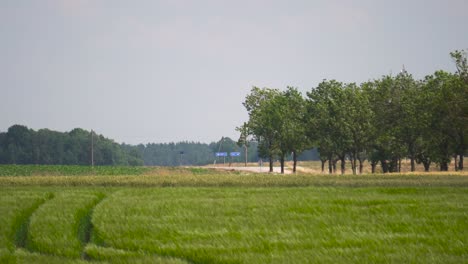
[
  {"x": 22, "y": 145},
  {"x": 382, "y": 121}
]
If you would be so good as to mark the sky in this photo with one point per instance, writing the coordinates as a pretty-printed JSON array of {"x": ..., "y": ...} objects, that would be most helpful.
[{"x": 178, "y": 70}]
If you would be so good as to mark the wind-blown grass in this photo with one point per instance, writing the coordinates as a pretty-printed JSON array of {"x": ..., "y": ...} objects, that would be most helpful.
[
  {"x": 15, "y": 207},
  {"x": 208, "y": 216},
  {"x": 279, "y": 225},
  {"x": 228, "y": 179},
  {"x": 121, "y": 256},
  {"x": 23, "y": 256},
  {"x": 57, "y": 226}
]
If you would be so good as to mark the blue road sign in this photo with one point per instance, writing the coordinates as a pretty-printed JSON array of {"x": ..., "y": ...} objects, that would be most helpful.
[
  {"x": 234, "y": 154},
  {"x": 221, "y": 154}
]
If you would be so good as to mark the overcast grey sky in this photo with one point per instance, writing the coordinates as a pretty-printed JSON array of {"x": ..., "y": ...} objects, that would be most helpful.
[{"x": 171, "y": 70}]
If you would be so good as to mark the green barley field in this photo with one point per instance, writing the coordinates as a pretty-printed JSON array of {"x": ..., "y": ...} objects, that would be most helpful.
[{"x": 197, "y": 215}]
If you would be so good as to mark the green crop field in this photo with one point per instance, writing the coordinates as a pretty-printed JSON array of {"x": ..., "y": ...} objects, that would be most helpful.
[
  {"x": 41, "y": 170},
  {"x": 204, "y": 216}
]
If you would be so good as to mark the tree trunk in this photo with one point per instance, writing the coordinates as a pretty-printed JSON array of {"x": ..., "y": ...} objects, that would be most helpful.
[
  {"x": 444, "y": 166},
  {"x": 355, "y": 167},
  {"x": 361, "y": 164},
  {"x": 323, "y": 165},
  {"x": 444, "y": 150},
  {"x": 294, "y": 161},
  {"x": 330, "y": 164},
  {"x": 393, "y": 165},
  {"x": 271, "y": 163},
  {"x": 353, "y": 163},
  {"x": 460, "y": 162},
  {"x": 361, "y": 161},
  {"x": 334, "y": 165},
  {"x": 426, "y": 164},
  {"x": 462, "y": 150},
  {"x": 282, "y": 163},
  {"x": 412, "y": 155},
  {"x": 384, "y": 166},
  {"x": 343, "y": 165},
  {"x": 456, "y": 162}
]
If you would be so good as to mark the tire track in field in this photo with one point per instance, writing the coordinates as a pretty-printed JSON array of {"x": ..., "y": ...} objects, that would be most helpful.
[
  {"x": 128, "y": 255},
  {"x": 85, "y": 226},
  {"x": 22, "y": 229}
]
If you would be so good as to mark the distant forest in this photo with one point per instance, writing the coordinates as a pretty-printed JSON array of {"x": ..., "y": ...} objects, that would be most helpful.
[{"x": 22, "y": 145}]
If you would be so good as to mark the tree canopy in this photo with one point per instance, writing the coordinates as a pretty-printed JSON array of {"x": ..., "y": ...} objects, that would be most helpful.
[{"x": 383, "y": 120}]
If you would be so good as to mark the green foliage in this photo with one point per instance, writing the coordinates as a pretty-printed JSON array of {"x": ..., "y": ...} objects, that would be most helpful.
[
  {"x": 460, "y": 59},
  {"x": 384, "y": 120},
  {"x": 447, "y": 104},
  {"x": 169, "y": 154},
  {"x": 291, "y": 132},
  {"x": 276, "y": 122},
  {"x": 264, "y": 120},
  {"x": 20, "y": 145},
  {"x": 194, "y": 153},
  {"x": 340, "y": 121}
]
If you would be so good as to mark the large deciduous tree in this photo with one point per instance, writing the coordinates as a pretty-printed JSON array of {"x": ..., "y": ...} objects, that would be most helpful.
[
  {"x": 445, "y": 106},
  {"x": 327, "y": 120},
  {"x": 358, "y": 116},
  {"x": 459, "y": 101},
  {"x": 292, "y": 130},
  {"x": 289, "y": 113},
  {"x": 263, "y": 120}
]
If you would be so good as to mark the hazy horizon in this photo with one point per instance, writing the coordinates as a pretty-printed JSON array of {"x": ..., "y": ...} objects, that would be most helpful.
[{"x": 171, "y": 71}]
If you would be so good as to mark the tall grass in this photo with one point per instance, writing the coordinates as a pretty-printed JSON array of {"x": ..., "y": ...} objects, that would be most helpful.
[
  {"x": 58, "y": 227},
  {"x": 229, "y": 179},
  {"x": 112, "y": 255},
  {"x": 282, "y": 225},
  {"x": 26, "y": 257},
  {"x": 15, "y": 209},
  {"x": 229, "y": 217}
]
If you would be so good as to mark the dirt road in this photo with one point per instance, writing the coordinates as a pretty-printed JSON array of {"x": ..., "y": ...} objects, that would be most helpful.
[{"x": 262, "y": 169}]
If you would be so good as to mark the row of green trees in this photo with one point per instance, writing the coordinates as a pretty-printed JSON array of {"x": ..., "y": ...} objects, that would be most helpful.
[
  {"x": 190, "y": 153},
  {"x": 21, "y": 145},
  {"x": 382, "y": 121}
]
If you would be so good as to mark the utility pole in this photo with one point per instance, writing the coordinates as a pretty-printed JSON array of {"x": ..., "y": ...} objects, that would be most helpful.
[
  {"x": 219, "y": 149},
  {"x": 180, "y": 157}
]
